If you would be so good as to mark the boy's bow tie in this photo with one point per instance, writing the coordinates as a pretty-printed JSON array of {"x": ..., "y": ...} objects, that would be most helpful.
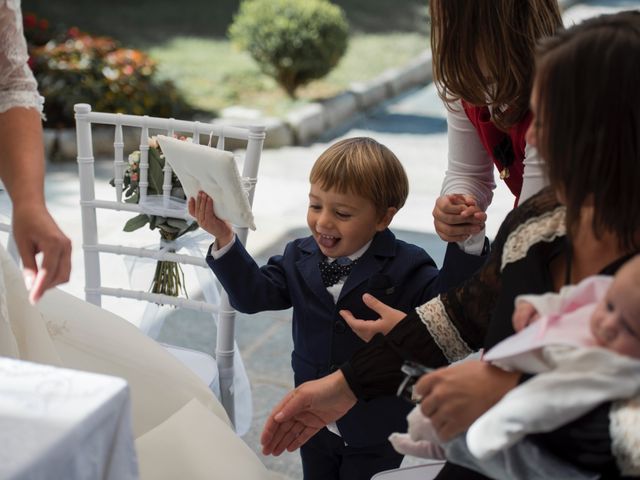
[{"x": 334, "y": 271}]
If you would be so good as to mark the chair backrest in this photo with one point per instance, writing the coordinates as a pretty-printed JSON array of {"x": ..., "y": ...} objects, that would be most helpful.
[{"x": 123, "y": 125}]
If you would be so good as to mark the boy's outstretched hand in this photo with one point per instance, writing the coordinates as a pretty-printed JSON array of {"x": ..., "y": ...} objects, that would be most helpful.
[{"x": 201, "y": 208}]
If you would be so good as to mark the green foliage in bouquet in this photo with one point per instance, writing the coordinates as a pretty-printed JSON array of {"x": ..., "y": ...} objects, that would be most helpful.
[
  {"x": 168, "y": 278},
  {"x": 293, "y": 41},
  {"x": 75, "y": 67}
]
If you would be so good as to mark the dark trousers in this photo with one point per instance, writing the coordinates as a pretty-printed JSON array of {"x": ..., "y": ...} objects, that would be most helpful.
[{"x": 326, "y": 457}]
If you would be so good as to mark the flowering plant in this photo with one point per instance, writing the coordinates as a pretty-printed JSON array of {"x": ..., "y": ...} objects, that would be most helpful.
[
  {"x": 73, "y": 66},
  {"x": 168, "y": 278}
]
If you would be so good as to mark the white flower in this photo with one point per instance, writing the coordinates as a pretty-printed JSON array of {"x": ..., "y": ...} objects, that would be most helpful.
[
  {"x": 153, "y": 142},
  {"x": 134, "y": 158}
]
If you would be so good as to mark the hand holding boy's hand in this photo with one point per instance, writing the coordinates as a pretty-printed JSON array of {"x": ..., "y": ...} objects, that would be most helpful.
[
  {"x": 366, "y": 329},
  {"x": 523, "y": 315},
  {"x": 457, "y": 216},
  {"x": 201, "y": 208}
]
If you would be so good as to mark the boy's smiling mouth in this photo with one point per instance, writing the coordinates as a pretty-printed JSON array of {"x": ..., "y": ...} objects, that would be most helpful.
[{"x": 328, "y": 241}]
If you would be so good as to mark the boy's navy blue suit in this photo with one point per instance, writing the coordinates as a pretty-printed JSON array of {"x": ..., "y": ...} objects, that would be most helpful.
[{"x": 397, "y": 273}]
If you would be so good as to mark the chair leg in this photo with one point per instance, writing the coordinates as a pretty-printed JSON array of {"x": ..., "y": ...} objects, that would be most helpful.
[{"x": 225, "y": 353}]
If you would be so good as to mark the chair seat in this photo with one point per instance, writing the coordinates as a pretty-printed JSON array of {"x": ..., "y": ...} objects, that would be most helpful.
[{"x": 203, "y": 365}]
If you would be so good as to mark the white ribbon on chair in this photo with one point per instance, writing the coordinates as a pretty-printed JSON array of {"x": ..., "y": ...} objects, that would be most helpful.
[{"x": 152, "y": 319}]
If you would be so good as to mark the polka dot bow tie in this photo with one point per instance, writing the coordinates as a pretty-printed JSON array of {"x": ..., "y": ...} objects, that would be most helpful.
[{"x": 334, "y": 271}]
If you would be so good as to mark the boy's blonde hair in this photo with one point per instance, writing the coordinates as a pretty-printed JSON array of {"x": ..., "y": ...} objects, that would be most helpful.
[{"x": 363, "y": 167}]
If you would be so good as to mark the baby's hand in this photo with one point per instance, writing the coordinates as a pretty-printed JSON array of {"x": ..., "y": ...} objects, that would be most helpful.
[
  {"x": 523, "y": 315},
  {"x": 201, "y": 208}
]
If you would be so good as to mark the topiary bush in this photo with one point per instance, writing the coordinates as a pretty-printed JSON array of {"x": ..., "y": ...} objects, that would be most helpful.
[{"x": 293, "y": 41}]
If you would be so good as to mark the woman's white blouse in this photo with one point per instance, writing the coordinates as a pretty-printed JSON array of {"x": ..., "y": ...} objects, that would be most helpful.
[
  {"x": 470, "y": 169},
  {"x": 18, "y": 87}
]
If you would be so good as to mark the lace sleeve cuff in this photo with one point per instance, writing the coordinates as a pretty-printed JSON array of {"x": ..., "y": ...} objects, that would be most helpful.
[
  {"x": 434, "y": 316},
  {"x": 374, "y": 370},
  {"x": 25, "y": 99}
]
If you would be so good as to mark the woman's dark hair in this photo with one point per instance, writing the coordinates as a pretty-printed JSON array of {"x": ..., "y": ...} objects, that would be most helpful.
[
  {"x": 483, "y": 51},
  {"x": 587, "y": 91}
]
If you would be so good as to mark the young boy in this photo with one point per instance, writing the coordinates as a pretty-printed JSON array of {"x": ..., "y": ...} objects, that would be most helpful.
[
  {"x": 584, "y": 344},
  {"x": 357, "y": 186}
]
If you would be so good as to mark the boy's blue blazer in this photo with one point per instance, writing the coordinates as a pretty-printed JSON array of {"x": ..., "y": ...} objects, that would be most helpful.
[{"x": 399, "y": 274}]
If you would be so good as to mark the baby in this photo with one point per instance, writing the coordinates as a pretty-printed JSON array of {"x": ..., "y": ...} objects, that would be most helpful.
[{"x": 583, "y": 343}]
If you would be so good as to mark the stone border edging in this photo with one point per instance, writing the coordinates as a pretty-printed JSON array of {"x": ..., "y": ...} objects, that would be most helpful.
[
  {"x": 299, "y": 127},
  {"x": 303, "y": 125}
]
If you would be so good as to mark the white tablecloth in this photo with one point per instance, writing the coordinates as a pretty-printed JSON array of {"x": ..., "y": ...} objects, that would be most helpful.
[{"x": 63, "y": 424}]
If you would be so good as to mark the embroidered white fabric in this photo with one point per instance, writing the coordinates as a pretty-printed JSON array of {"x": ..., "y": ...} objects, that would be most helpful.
[
  {"x": 545, "y": 228},
  {"x": 18, "y": 87},
  {"x": 443, "y": 332},
  {"x": 213, "y": 171}
]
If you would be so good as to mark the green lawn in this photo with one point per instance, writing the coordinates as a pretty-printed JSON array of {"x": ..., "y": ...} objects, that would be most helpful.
[
  {"x": 213, "y": 75},
  {"x": 141, "y": 23},
  {"x": 188, "y": 40}
]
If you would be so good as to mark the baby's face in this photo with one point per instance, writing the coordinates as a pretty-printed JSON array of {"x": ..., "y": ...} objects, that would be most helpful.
[{"x": 615, "y": 324}]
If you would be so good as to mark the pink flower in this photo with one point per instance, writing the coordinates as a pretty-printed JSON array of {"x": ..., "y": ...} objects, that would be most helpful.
[
  {"x": 134, "y": 177},
  {"x": 73, "y": 32}
]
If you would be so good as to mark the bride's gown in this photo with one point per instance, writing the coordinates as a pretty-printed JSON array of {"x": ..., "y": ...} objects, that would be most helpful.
[{"x": 181, "y": 430}]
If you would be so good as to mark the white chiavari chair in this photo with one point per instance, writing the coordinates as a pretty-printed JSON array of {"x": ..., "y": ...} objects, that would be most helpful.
[{"x": 217, "y": 370}]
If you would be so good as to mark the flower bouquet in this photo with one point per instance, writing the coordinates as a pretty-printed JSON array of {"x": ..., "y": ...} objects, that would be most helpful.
[{"x": 168, "y": 278}]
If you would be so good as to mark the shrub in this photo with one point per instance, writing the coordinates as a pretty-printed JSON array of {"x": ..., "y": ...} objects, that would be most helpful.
[
  {"x": 77, "y": 67},
  {"x": 294, "y": 41}
]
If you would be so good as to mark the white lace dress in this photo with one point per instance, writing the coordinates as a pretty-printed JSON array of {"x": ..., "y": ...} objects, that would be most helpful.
[
  {"x": 18, "y": 88},
  {"x": 181, "y": 429}
]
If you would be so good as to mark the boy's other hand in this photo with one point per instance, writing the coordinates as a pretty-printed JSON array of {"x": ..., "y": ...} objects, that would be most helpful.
[{"x": 201, "y": 208}]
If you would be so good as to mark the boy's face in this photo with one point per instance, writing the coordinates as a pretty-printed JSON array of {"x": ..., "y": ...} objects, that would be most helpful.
[
  {"x": 342, "y": 223},
  {"x": 615, "y": 324}
]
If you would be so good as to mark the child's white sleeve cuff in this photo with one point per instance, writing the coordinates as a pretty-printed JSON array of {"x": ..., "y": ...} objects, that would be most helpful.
[
  {"x": 474, "y": 245},
  {"x": 216, "y": 253}
]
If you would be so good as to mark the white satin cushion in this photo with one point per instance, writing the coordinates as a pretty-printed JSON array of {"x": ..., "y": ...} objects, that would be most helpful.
[{"x": 213, "y": 171}]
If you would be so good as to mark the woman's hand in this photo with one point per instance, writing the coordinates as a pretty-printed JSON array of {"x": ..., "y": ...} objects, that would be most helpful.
[
  {"x": 201, "y": 208},
  {"x": 35, "y": 231},
  {"x": 457, "y": 216},
  {"x": 454, "y": 397},
  {"x": 304, "y": 411},
  {"x": 366, "y": 329}
]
